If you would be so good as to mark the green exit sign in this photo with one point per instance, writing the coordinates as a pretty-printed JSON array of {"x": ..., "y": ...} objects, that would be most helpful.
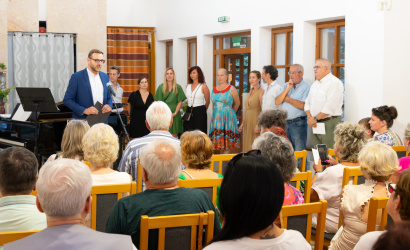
[{"x": 224, "y": 19}]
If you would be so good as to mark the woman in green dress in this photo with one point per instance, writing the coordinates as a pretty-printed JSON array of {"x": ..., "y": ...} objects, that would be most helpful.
[{"x": 172, "y": 94}]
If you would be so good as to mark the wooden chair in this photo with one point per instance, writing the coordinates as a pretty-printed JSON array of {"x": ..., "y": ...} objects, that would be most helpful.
[
  {"x": 400, "y": 149},
  {"x": 104, "y": 199},
  {"x": 374, "y": 205},
  {"x": 303, "y": 176},
  {"x": 7, "y": 237},
  {"x": 301, "y": 154},
  {"x": 331, "y": 152},
  {"x": 210, "y": 186},
  {"x": 358, "y": 178},
  {"x": 299, "y": 217},
  {"x": 140, "y": 182},
  {"x": 87, "y": 163},
  {"x": 220, "y": 159},
  {"x": 176, "y": 221}
]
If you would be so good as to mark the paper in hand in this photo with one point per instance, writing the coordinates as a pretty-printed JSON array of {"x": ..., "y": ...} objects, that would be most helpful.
[
  {"x": 320, "y": 129},
  {"x": 100, "y": 117}
]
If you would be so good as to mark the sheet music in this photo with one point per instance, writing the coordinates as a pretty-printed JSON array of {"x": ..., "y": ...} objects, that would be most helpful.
[{"x": 21, "y": 115}]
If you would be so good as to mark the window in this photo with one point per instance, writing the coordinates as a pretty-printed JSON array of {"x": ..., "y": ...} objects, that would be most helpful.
[
  {"x": 282, "y": 52},
  {"x": 169, "y": 52},
  {"x": 330, "y": 44},
  {"x": 191, "y": 46}
]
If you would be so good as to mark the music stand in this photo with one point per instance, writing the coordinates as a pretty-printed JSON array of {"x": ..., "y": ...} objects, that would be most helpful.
[{"x": 37, "y": 100}]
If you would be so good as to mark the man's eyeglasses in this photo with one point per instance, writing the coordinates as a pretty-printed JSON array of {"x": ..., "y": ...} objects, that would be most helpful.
[
  {"x": 294, "y": 73},
  {"x": 318, "y": 67},
  {"x": 97, "y": 60},
  {"x": 234, "y": 159},
  {"x": 392, "y": 187}
]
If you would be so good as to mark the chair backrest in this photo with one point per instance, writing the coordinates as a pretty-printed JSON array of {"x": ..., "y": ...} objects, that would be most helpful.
[
  {"x": 210, "y": 186},
  {"x": 374, "y": 205},
  {"x": 140, "y": 183},
  {"x": 104, "y": 199},
  {"x": 87, "y": 163},
  {"x": 331, "y": 152},
  {"x": 301, "y": 154},
  {"x": 175, "y": 221},
  {"x": 220, "y": 158},
  {"x": 307, "y": 177},
  {"x": 358, "y": 178},
  {"x": 400, "y": 150},
  {"x": 7, "y": 237},
  {"x": 299, "y": 217}
]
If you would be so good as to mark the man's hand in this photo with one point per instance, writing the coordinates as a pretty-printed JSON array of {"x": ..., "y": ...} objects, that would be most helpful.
[
  {"x": 289, "y": 85},
  {"x": 91, "y": 111},
  {"x": 311, "y": 122},
  {"x": 106, "y": 108},
  {"x": 256, "y": 129}
]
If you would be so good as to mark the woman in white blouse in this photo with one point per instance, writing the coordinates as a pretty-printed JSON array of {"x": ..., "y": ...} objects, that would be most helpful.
[{"x": 198, "y": 96}]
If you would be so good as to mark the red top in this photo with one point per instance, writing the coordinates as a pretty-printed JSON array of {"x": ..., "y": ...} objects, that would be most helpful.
[{"x": 223, "y": 91}]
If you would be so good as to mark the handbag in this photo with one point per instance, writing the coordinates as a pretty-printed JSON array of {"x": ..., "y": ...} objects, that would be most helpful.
[{"x": 187, "y": 116}]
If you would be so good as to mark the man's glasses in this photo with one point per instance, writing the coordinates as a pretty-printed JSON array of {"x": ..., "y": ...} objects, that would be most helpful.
[
  {"x": 97, "y": 60},
  {"x": 392, "y": 187},
  {"x": 318, "y": 67},
  {"x": 234, "y": 159},
  {"x": 294, "y": 73}
]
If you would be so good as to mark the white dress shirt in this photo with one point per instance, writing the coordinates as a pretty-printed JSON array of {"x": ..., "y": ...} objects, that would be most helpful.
[
  {"x": 269, "y": 97},
  {"x": 118, "y": 96},
  {"x": 326, "y": 96},
  {"x": 97, "y": 88}
]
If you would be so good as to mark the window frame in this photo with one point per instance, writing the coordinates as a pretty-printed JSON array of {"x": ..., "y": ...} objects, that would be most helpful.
[
  {"x": 287, "y": 30},
  {"x": 167, "y": 45},
  {"x": 336, "y": 24}
]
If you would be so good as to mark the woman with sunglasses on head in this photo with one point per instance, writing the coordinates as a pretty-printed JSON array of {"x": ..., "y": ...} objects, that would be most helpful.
[
  {"x": 198, "y": 96},
  {"x": 381, "y": 121},
  {"x": 377, "y": 163},
  {"x": 250, "y": 200},
  {"x": 172, "y": 94},
  {"x": 398, "y": 207}
]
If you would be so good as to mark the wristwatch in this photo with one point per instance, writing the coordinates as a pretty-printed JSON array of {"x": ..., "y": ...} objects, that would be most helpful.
[{"x": 315, "y": 118}]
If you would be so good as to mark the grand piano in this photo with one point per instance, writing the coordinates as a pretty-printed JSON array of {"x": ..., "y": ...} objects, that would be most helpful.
[{"x": 50, "y": 132}]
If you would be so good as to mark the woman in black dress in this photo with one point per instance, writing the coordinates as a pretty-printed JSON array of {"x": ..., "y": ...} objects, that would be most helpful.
[{"x": 139, "y": 101}]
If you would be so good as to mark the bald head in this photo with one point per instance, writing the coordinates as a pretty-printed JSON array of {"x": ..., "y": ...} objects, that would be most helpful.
[
  {"x": 161, "y": 161},
  {"x": 322, "y": 68}
]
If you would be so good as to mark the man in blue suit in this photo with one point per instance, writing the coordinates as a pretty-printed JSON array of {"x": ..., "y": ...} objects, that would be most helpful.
[{"x": 88, "y": 86}]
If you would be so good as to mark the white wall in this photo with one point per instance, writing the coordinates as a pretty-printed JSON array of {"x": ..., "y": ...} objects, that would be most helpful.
[
  {"x": 131, "y": 13},
  {"x": 376, "y": 44}
]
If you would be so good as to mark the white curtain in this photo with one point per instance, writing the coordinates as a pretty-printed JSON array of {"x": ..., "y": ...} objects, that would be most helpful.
[{"x": 42, "y": 60}]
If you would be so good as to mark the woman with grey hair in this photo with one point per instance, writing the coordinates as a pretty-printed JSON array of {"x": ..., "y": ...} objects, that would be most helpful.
[
  {"x": 224, "y": 127},
  {"x": 274, "y": 121},
  {"x": 280, "y": 151},
  {"x": 327, "y": 184}
]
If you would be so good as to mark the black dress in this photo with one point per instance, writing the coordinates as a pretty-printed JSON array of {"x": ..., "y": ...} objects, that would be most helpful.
[{"x": 137, "y": 126}]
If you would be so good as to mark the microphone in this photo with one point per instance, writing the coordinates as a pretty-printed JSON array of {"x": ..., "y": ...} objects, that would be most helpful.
[{"x": 110, "y": 87}]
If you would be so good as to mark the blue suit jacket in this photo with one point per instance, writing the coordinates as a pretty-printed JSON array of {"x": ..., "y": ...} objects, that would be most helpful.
[{"x": 78, "y": 95}]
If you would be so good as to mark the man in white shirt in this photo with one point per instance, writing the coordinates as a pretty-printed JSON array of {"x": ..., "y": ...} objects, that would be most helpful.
[
  {"x": 269, "y": 75},
  {"x": 324, "y": 102},
  {"x": 114, "y": 74},
  {"x": 18, "y": 175},
  {"x": 88, "y": 86}
]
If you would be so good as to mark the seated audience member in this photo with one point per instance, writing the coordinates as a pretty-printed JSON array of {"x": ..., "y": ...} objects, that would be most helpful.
[
  {"x": 100, "y": 146},
  {"x": 377, "y": 162},
  {"x": 63, "y": 194},
  {"x": 397, "y": 238},
  {"x": 197, "y": 152},
  {"x": 398, "y": 208},
  {"x": 159, "y": 120},
  {"x": 71, "y": 144},
  {"x": 327, "y": 184},
  {"x": 18, "y": 175},
  {"x": 381, "y": 121},
  {"x": 273, "y": 121},
  {"x": 280, "y": 151},
  {"x": 366, "y": 125},
  {"x": 251, "y": 198},
  {"x": 161, "y": 166}
]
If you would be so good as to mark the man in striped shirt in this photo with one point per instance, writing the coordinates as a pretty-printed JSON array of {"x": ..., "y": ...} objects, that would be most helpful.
[{"x": 158, "y": 121}]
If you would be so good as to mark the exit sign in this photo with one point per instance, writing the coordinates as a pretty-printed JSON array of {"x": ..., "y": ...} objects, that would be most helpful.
[{"x": 224, "y": 19}]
